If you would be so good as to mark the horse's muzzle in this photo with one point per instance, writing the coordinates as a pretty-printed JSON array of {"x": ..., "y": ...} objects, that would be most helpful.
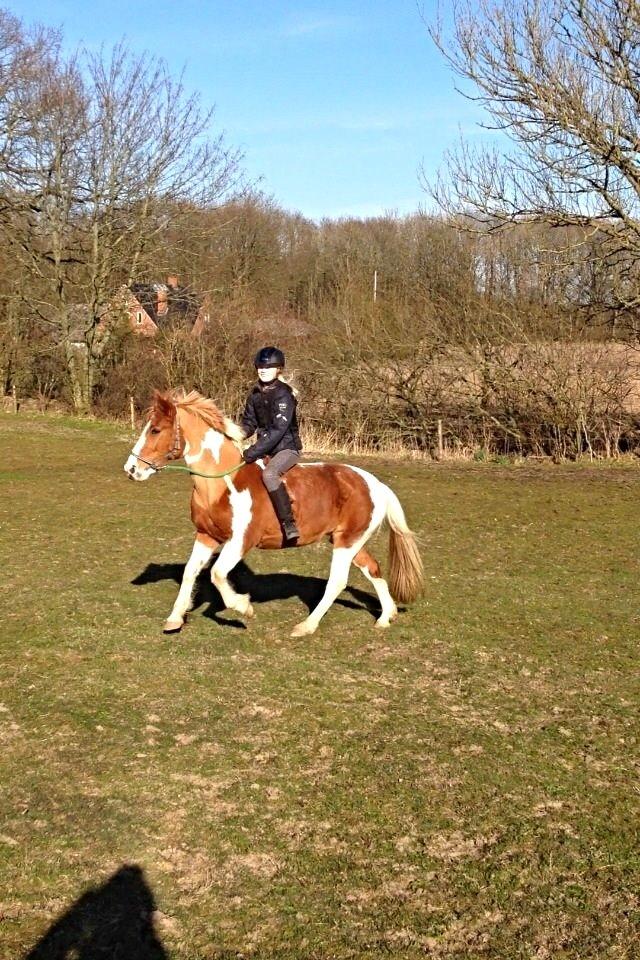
[{"x": 133, "y": 471}]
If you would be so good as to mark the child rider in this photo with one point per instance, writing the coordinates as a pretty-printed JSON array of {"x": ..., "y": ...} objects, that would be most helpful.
[{"x": 270, "y": 412}]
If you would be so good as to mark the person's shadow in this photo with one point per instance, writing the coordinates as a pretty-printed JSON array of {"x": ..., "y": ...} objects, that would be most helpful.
[
  {"x": 111, "y": 922},
  {"x": 262, "y": 588}
]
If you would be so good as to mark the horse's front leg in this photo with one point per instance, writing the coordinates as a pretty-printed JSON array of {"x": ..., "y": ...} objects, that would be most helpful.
[
  {"x": 200, "y": 555},
  {"x": 230, "y": 555}
]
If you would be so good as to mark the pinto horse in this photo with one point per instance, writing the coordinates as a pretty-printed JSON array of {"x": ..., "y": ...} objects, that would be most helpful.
[{"x": 231, "y": 509}]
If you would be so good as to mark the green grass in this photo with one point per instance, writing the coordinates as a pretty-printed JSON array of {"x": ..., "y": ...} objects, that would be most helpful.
[{"x": 463, "y": 785}]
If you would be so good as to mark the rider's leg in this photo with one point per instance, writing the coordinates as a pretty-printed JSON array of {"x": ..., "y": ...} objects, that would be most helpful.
[{"x": 272, "y": 479}]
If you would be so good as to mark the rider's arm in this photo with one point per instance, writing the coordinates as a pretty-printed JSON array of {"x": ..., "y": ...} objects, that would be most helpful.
[
  {"x": 269, "y": 437},
  {"x": 249, "y": 420}
]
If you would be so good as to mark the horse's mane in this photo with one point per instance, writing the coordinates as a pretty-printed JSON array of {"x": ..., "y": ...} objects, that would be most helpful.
[{"x": 204, "y": 408}]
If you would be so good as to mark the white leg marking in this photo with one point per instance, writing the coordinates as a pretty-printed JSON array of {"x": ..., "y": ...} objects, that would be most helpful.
[
  {"x": 200, "y": 556},
  {"x": 338, "y": 577},
  {"x": 231, "y": 553},
  {"x": 342, "y": 556},
  {"x": 379, "y": 494},
  {"x": 389, "y": 609}
]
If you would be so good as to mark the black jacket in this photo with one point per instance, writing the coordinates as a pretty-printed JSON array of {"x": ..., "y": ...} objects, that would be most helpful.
[{"x": 271, "y": 412}]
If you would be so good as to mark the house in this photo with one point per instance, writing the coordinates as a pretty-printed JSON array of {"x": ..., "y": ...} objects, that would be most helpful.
[{"x": 153, "y": 306}]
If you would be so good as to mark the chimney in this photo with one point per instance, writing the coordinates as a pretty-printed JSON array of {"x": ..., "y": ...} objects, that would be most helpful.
[{"x": 162, "y": 304}]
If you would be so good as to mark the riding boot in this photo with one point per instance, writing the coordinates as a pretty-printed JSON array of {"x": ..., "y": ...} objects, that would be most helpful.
[{"x": 282, "y": 505}]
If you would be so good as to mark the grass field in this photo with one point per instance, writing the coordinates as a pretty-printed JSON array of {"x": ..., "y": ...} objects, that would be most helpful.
[{"x": 463, "y": 785}]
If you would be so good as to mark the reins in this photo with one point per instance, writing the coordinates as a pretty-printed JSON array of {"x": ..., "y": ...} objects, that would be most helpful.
[{"x": 195, "y": 473}]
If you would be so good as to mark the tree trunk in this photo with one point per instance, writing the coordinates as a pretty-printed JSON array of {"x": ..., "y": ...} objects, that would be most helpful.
[{"x": 81, "y": 376}]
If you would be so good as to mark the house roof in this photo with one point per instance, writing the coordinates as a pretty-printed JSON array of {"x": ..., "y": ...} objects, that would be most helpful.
[{"x": 181, "y": 303}]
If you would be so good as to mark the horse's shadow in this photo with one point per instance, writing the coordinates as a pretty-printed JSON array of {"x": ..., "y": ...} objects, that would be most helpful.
[{"x": 262, "y": 588}]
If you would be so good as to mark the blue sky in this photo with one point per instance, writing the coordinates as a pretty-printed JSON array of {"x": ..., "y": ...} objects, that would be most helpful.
[{"x": 334, "y": 105}]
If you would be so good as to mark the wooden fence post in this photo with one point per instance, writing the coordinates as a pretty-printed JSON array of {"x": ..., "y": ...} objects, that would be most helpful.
[
  {"x": 16, "y": 405},
  {"x": 440, "y": 441},
  {"x": 132, "y": 413}
]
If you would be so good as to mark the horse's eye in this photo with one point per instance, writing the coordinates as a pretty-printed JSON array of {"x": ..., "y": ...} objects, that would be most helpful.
[{"x": 155, "y": 430}]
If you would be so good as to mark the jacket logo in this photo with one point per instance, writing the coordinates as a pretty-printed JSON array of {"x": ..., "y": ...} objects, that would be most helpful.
[{"x": 282, "y": 406}]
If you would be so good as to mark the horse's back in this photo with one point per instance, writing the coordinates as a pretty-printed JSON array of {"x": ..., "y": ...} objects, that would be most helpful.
[
  {"x": 326, "y": 479},
  {"x": 331, "y": 497}
]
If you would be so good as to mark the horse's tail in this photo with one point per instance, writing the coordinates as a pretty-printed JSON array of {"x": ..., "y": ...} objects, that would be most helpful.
[{"x": 405, "y": 562}]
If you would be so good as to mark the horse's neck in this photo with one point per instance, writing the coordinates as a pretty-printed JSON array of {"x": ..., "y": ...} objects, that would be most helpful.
[{"x": 207, "y": 451}]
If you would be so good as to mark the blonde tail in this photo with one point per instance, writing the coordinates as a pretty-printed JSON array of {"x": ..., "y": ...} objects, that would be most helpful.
[{"x": 405, "y": 563}]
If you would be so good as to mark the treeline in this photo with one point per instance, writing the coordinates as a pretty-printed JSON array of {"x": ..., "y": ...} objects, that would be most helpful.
[{"x": 430, "y": 332}]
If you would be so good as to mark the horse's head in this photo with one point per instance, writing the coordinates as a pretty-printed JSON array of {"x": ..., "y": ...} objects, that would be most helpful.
[{"x": 160, "y": 441}]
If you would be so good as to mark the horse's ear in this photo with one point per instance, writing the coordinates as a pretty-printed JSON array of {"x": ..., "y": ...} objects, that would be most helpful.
[{"x": 163, "y": 405}]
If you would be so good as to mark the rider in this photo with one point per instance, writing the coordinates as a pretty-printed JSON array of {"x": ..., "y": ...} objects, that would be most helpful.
[{"x": 271, "y": 412}]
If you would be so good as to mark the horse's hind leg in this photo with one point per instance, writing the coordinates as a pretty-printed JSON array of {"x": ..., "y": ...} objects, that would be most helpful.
[
  {"x": 200, "y": 555},
  {"x": 371, "y": 569},
  {"x": 338, "y": 576}
]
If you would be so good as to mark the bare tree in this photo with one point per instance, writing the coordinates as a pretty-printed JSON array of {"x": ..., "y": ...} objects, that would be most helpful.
[
  {"x": 104, "y": 153},
  {"x": 561, "y": 79}
]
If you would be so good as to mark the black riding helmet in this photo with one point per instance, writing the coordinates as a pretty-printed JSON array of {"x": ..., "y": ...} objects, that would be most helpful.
[{"x": 268, "y": 357}]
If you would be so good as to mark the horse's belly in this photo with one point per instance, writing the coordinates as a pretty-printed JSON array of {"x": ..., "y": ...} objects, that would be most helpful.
[{"x": 274, "y": 541}]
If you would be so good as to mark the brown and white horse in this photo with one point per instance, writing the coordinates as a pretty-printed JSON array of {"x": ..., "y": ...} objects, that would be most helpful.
[{"x": 234, "y": 511}]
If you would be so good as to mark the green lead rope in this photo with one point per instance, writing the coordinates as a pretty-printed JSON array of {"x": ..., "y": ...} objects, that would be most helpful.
[
  {"x": 207, "y": 476},
  {"x": 194, "y": 473}
]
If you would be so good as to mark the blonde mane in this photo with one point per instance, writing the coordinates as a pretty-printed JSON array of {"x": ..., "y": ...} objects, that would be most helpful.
[{"x": 206, "y": 410}]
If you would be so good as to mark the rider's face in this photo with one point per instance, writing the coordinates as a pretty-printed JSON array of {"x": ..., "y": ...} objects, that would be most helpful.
[{"x": 267, "y": 374}]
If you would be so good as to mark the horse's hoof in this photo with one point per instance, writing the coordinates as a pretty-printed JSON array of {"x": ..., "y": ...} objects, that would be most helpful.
[
  {"x": 303, "y": 629},
  {"x": 244, "y": 607},
  {"x": 173, "y": 626},
  {"x": 382, "y": 624}
]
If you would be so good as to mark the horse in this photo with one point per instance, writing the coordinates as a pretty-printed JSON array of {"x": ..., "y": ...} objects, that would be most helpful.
[{"x": 231, "y": 510}]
